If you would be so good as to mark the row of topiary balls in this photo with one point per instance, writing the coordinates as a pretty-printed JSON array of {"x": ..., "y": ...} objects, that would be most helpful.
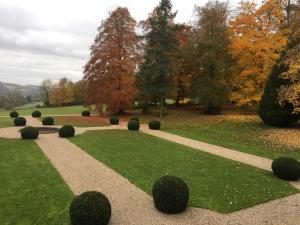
[
  {"x": 170, "y": 195},
  {"x": 33, "y": 133},
  {"x": 134, "y": 123}
]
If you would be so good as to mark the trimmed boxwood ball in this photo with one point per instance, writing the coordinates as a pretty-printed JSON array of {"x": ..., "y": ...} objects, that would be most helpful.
[
  {"x": 154, "y": 125},
  {"x": 86, "y": 113},
  {"x": 20, "y": 121},
  {"x": 114, "y": 120},
  {"x": 133, "y": 125},
  {"x": 29, "y": 133},
  {"x": 36, "y": 114},
  {"x": 48, "y": 121},
  {"x": 286, "y": 168},
  {"x": 66, "y": 131},
  {"x": 135, "y": 118},
  {"x": 170, "y": 194},
  {"x": 14, "y": 114},
  {"x": 90, "y": 208}
]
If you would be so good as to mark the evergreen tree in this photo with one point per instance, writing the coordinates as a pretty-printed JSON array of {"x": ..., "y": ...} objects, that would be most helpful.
[
  {"x": 155, "y": 75},
  {"x": 211, "y": 58},
  {"x": 280, "y": 103}
]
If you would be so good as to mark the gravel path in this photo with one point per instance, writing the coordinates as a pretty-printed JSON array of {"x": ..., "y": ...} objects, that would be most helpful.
[{"x": 132, "y": 206}]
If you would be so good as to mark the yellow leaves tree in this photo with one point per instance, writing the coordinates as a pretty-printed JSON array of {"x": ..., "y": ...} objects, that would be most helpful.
[
  {"x": 258, "y": 39},
  {"x": 289, "y": 93},
  {"x": 62, "y": 93}
]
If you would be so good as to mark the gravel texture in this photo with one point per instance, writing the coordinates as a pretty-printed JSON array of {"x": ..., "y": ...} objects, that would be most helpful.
[{"x": 130, "y": 205}]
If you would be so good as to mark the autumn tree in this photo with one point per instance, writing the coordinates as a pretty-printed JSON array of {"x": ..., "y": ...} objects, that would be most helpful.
[
  {"x": 182, "y": 69},
  {"x": 256, "y": 45},
  {"x": 62, "y": 93},
  {"x": 280, "y": 103},
  {"x": 211, "y": 59},
  {"x": 289, "y": 93},
  {"x": 156, "y": 71},
  {"x": 109, "y": 74}
]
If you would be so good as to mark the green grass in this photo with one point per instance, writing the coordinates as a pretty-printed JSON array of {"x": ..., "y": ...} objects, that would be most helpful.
[
  {"x": 31, "y": 191},
  {"x": 6, "y": 122},
  {"x": 245, "y": 136},
  {"x": 48, "y": 111},
  {"x": 215, "y": 183},
  {"x": 246, "y": 133}
]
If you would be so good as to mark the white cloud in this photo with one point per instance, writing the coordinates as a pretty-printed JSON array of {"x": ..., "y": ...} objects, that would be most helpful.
[{"x": 51, "y": 38}]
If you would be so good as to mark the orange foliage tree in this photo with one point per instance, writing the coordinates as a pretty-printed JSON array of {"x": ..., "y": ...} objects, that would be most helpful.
[
  {"x": 109, "y": 74},
  {"x": 62, "y": 93},
  {"x": 182, "y": 69},
  {"x": 258, "y": 39}
]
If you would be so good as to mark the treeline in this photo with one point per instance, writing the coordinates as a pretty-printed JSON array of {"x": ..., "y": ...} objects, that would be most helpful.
[
  {"x": 13, "y": 98},
  {"x": 223, "y": 57},
  {"x": 63, "y": 93}
]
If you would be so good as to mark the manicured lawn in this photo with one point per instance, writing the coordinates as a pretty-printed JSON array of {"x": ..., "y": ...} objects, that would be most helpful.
[
  {"x": 215, "y": 183},
  {"x": 6, "y": 122},
  {"x": 31, "y": 191},
  {"x": 49, "y": 111},
  {"x": 246, "y": 133},
  {"x": 81, "y": 121}
]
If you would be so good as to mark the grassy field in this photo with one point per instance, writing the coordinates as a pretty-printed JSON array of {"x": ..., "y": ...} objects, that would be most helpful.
[
  {"x": 31, "y": 190},
  {"x": 215, "y": 183},
  {"x": 6, "y": 122},
  {"x": 48, "y": 111},
  {"x": 246, "y": 133},
  {"x": 81, "y": 121}
]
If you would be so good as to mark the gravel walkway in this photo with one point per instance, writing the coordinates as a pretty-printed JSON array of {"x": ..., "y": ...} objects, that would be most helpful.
[{"x": 132, "y": 206}]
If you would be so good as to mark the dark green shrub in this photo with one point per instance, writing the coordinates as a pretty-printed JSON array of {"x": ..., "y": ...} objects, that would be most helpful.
[
  {"x": 154, "y": 125},
  {"x": 14, "y": 114},
  {"x": 135, "y": 119},
  {"x": 286, "y": 168},
  {"x": 29, "y": 133},
  {"x": 90, "y": 208},
  {"x": 66, "y": 131},
  {"x": 114, "y": 120},
  {"x": 20, "y": 121},
  {"x": 170, "y": 194},
  {"x": 36, "y": 114},
  {"x": 86, "y": 113},
  {"x": 133, "y": 125},
  {"x": 270, "y": 111},
  {"x": 212, "y": 110},
  {"x": 48, "y": 121}
]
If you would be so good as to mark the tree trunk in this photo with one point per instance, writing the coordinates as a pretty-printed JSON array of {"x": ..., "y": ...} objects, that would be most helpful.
[
  {"x": 177, "y": 103},
  {"x": 162, "y": 101}
]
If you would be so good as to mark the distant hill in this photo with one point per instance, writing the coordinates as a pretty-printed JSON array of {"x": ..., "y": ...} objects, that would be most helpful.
[{"x": 6, "y": 88}]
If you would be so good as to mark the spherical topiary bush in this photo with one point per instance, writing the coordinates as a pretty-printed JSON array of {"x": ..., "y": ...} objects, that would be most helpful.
[
  {"x": 170, "y": 194},
  {"x": 133, "y": 125},
  {"x": 20, "y": 121},
  {"x": 90, "y": 208},
  {"x": 154, "y": 125},
  {"x": 14, "y": 114},
  {"x": 48, "y": 121},
  {"x": 114, "y": 120},
  {"x": 36, "y": 114},
  {"x": 286, "y": 168},
  {"x": 29, "y": 133},
  {"x": 66, "y": 131},
  {"x": 86, "y": 113},
  {"x": 135, "y": 118}
]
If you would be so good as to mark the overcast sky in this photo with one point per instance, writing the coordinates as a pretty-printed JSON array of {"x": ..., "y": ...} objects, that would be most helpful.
[{"x": 50, "y": 38}]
